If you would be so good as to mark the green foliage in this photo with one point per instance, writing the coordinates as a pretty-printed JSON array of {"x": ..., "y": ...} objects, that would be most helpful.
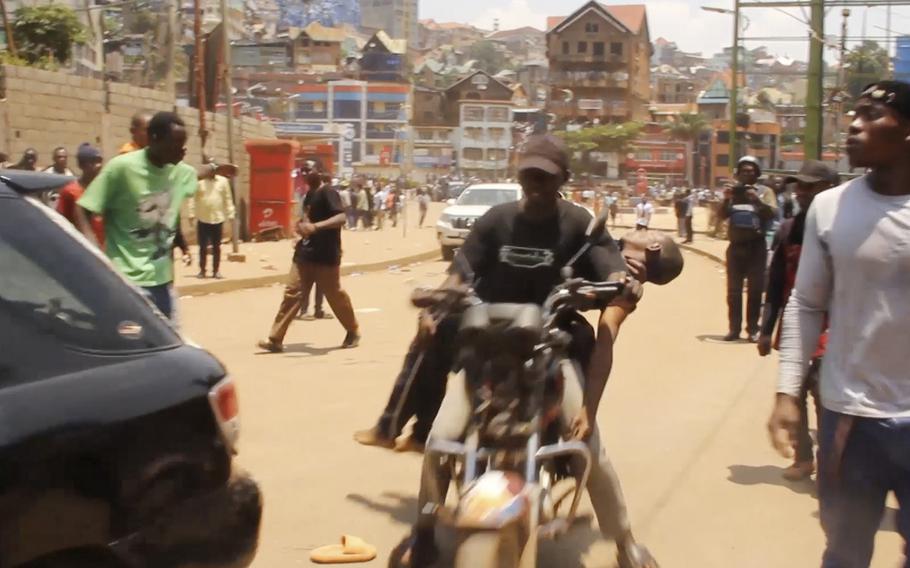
[
  {"x": 601, "y": 138},
  {"x": 866, "y": 63},
  {"x": 47, "y": 32},
  {"x": 488, "y": 57},
  {"x": 687, "y": 126},
  {"x": 44, "y": 62}
]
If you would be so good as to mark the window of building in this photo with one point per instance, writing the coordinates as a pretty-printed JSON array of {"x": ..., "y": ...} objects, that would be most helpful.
[
  {"x": 723, "y": 137},
  {"x": 497, "y": 133},
  {"x": 723, "y": 160},
  {"x": 591, "y": 28},
  {"x": 472, "y": 113},
  {"x": 598, "y": 48},
  {"x": 472, "y": 154},
  {"x": 497, "y": 114},
  {"x": 582, "y": 47},
  {"x": 565, "y": 48},
  {"x": 616, "y": 48}
]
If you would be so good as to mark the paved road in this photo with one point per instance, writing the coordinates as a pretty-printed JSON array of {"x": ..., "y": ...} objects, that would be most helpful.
[{"x": 683, "y": 419}]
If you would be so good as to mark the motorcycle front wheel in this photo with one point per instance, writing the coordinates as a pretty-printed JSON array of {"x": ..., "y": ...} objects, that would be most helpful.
[{"x": 488, "y": 549}]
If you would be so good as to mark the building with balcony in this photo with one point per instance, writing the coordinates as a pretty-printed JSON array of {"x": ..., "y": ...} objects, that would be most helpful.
[
  {"x": 482, "y": 106},
  {"x": 672, "y": 85},
  {"x": 759, "y": 137},
  {"x": 366, "y": 121},
  {"x": 434, "y": 135},
  {"x": 599, "y": 63}
]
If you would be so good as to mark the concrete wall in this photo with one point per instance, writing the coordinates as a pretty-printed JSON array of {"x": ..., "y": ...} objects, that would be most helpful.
[{"x": 46, "y": 109}]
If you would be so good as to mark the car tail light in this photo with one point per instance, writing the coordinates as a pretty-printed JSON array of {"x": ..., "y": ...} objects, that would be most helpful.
[{"x": 223, "y": 398}]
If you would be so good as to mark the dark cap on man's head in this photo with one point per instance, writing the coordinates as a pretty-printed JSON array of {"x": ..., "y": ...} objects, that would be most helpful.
[
  {"x": 894, "y": 94},
  {"x": 814, "y": 171},
  {"x": 545, "y": 152}
]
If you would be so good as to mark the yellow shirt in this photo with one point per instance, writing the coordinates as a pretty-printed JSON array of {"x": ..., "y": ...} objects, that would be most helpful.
[
  {"x": 212, "y": 203},
  {"x": 129, "y": 147}
]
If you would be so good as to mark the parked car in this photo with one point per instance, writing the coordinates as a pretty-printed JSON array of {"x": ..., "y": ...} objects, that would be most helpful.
[
  {"x": 117, "y": 436},
  {"x": 456, "y": 221}
]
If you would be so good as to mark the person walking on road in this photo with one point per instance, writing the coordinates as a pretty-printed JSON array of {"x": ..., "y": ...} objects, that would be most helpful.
[
  {"x": 747, "y": 253},
  {"x": 363, "y": 206},
  {"x": 346, "y": 202},
  {"x": 89, "y": 160},
  {"x": 423, "y": 204},
  {"x": 139, "y": 195},
  {"x": 813, "y": 178},
  {"x": 643, "y": 213},
  {"x": 688, "y": 214},
  {"x": 853, "y": 272},
  {"x": 318, "y": 261},
  {"x": 212, "y": 205}
]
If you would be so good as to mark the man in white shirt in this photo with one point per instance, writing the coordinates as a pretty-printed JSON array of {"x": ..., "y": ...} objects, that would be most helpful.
[
  {"x": 855, "y": 270},
  {"x": 643, "y": 212},
  {"x": 212, "y": 205}
]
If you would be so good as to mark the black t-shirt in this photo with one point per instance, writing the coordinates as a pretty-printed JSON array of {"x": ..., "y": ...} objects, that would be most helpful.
[
  {"x": 515, "y": 259},
  {"x": 324, "y": 246}
]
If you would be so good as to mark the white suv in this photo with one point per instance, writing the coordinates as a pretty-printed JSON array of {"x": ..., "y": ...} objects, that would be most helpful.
[{"x": 456, "y": 220}]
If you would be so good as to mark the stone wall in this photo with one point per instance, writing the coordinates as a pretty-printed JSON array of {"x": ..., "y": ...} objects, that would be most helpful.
[{"x": 46, "y": 109}]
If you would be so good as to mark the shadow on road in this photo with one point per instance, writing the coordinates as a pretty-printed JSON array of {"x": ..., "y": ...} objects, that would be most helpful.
[
  {"x": 299, "y": 349},
  {"x": 769, "y": 475},
  {"x": 402, "y": 508},
  {"x": 717, "y": 338}
]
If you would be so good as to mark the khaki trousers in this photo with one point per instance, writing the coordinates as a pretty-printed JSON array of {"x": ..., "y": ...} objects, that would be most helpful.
[{"x": 302, "y": 278}]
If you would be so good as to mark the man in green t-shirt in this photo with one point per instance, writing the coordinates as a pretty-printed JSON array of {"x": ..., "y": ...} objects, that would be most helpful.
[{"x": 139, "y": 195}]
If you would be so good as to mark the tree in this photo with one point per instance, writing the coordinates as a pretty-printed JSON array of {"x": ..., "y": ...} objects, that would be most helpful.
[
  {"x": 600, "y": 138},
  {"x": 488, "y": 57},
  {"x": 47, "y": 31},
  {"x": 687, "y": 126},
  {"x": 865, "y": 63}
]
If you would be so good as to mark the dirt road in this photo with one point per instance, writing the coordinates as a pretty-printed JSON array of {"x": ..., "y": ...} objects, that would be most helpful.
[{"x": 683, "y": 419}]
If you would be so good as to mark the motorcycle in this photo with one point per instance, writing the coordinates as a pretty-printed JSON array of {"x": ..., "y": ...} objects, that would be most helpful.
[{"x": 513, "y": 484}]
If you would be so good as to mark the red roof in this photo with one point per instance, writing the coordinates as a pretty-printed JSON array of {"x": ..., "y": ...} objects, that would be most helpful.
[{"x": 630, "y": 15}]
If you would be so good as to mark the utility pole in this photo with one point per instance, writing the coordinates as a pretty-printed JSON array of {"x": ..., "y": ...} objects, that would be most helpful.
[
  {"x": 8, "y": 28},
  {"x": 841, "y": 90},
  {"x": 734, "y": 87},
  {"x": 199, "y": 70},
  {"x": 229, "y": 102},
  {"x": 812, "y": 143},
  {"x": 171, "y": 46}
]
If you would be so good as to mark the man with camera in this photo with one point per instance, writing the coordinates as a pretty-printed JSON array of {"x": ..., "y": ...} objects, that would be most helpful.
[{"x": 748, "y": 216}]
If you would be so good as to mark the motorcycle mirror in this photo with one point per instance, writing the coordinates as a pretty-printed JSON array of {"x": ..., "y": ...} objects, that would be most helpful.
[{"x": 597, "y": 227}]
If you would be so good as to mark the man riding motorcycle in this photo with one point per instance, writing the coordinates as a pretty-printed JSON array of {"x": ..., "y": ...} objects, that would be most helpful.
[{"x": 514, "y": 254}]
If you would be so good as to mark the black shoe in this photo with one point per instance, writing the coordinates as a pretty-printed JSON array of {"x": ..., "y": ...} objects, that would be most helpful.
[
  {"x": 732, "y": 336},
  {"x": 352, "y": 339}
]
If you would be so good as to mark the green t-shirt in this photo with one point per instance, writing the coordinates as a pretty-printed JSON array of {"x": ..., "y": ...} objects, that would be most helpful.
[{"x": 140, "y": 203}]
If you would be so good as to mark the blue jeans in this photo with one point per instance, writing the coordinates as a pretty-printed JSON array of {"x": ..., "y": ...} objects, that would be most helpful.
[
  {"x": 162, "y": 297},
  {"x": 875, "y": 460}
]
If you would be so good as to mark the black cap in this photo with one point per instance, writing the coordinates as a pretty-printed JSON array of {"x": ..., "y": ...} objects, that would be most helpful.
[
  {"x": 545, "y": 152},
  {"x": 895, "y": 94},
  {"x": 814, "y": 171}
]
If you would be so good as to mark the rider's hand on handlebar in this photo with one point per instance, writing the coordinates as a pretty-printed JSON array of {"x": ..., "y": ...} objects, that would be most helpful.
[
  {"x": 631, "y": 294},
  {"x": 426, "y": 297},
  {"x": 580, "y": 429},
  {"x": 426, "y": 327}
]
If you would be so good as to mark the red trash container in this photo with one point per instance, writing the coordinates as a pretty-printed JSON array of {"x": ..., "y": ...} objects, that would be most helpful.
[{"x": 271, "y": 185}]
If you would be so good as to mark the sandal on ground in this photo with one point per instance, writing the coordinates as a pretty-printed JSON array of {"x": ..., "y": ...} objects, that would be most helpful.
[
  {"x": 351, "y": 549},
  {"x": 635, "y": 556}
]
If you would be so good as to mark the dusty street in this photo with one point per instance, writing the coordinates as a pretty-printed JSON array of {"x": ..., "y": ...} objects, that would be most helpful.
[{"x": 683, "y": 418}]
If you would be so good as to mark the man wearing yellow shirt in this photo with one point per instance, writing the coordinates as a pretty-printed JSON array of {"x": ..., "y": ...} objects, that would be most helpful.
[{"x": 210, "y": 207}]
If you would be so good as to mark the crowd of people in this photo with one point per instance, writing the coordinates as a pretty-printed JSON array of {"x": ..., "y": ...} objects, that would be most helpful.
[{"x": 833, "y": 298}]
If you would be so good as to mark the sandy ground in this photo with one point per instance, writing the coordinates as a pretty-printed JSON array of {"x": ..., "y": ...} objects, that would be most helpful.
[{"x": 683, "y": 418}]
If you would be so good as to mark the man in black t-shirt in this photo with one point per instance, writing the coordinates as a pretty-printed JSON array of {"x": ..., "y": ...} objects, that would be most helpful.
[
  {"x": 514, "y": 253},
  {"x": 318, "y": 261}
]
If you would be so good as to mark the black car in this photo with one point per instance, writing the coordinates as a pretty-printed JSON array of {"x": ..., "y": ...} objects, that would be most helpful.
[{"x": 116, "y": 436}]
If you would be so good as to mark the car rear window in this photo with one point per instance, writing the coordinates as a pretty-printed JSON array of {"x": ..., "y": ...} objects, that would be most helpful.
[{"x": 50, "y": 283}]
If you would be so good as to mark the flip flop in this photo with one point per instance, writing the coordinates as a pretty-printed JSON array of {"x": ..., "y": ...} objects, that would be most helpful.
[{"x": 351, "y": 549}]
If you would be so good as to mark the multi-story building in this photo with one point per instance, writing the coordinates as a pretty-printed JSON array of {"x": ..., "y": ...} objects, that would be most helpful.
[
  {"x": 398, "y": 18},
  {"x": 383, "y": 59},
  {"x": 760, "y": 137},
  {"x": 662, "y": 158},
  {"x": 671, "y": 85},
  {"x": 433, "y": 141},
  {"x": 483, "y": 107},
  {"x": 367, "y": 121},
  {"x": 599, "y": 63}
]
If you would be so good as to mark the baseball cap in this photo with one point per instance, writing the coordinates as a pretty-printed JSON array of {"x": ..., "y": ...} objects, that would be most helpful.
[
  {"x": 545, "y": 152},
  {"x": 87, "y": 153},
  {"x": 814, "y": 171},
  {"x": 895, "y": 94}
]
